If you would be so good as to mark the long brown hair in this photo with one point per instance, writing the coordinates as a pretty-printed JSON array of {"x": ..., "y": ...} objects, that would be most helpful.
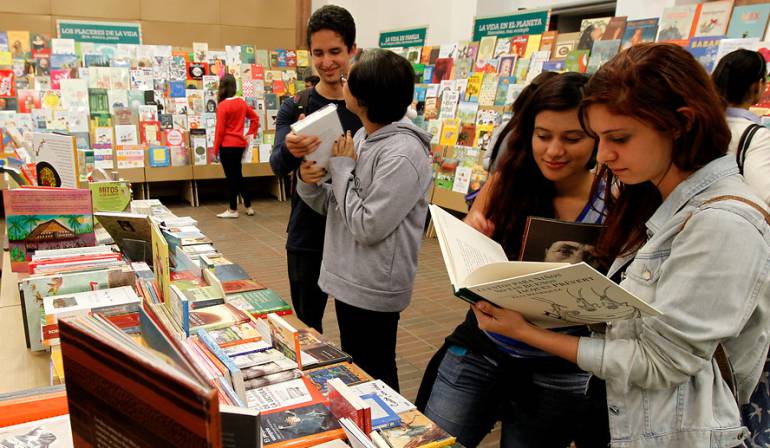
[
  {"x": 650, "y": 82},
  {"x": 520, "y": 189},
  {"x": 227, "y": 87}
]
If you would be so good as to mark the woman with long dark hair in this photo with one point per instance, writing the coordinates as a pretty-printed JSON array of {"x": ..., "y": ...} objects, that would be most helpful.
[
  {"x": 740, "y": 78},
  {"x": 483, "y": 377},
  {"x": 689, "y": 237},
  {"x": 230, "y": 143}
]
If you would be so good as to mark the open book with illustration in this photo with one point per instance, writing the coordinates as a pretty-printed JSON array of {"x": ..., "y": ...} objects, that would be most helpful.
[{"x": 548, "y": 294}]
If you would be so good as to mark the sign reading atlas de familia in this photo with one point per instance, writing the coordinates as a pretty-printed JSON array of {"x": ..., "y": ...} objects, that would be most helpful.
[
  {"x": 412, "y": 37},
  {"x": 527, "y": 22},
  {"x": 100, "y": 32}
]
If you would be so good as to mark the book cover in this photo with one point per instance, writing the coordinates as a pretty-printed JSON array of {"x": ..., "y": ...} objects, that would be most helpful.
[
  {"x": 486, "y": 48},
  {"x": 565, "y": 43},
  {"x": 117, "y": 386},
  {"x": 474, "y": 87},
  {"x": 615, "y": 28},
  {"x": 677, "y": 24},
  {"x": 467, "y": 134},
  {"x": 345, "y": 403},
  {"x": 550, "y": 295},
  {"x": 553, "y": 240},
  {"x": 533, "y": 44},
  {"x": 318, "y": 351},
  {"x": 488, "y": 90},
  {"x": 19, "y": 44},
  {"x": 466, "y": 111},
  {"x": 603, "y": 51},
  {"x": 159, "y": 156},
  {"x": 712, "y": 18},
  {"x": 450, "y": 131},
  {"x": 52, "y": 432},
  {"x": 638, "y": 32},
  {"x": 383, "y": 416},
  {"x": 577, "y": 61},
  {"x": 548, "y": 41},
  {"x": 592, "y": 30},
  {"x": 502, "y": 89},
  {"x": 748, "y": 21},
  {"x": 347, "y": 372},
  {"x": 416, "y": 430},
  {"x": 519, "y": 45},
  {"x": 149, "y": 132},
  {"x": 442, "y": 69},
  {"x": 38, "y": 219},
  {"x": 705, "y": 50},
  {"x": 299, "y": 427},
  {"x": 285, "y": 338},
  {"x": 215, "y": 317}
]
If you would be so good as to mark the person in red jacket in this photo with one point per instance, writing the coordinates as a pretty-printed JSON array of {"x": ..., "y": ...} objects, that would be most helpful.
[{"x": 230, "y": 143}]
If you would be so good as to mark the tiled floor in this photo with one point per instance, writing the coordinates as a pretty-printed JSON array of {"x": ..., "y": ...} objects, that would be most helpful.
[{"x": 257, "y": 244}]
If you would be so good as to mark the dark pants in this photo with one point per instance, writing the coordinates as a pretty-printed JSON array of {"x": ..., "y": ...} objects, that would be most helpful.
[
  {"x": 370, "y": 338},
  {"x": 307, "y": 298},
  {"x": 231, "y": 164}
]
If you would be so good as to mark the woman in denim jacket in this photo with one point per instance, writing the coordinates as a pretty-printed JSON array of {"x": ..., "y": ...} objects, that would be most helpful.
[{"x": 693, "y": 242}]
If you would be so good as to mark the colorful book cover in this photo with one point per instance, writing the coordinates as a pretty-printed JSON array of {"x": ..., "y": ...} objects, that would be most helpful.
[
  {"x": 467, "y": 134},
  {"x": 521, "y": 70},
  {"x": 450, "y": 131},
  {"x": 577, "y": 61},
  {"x": 705, "y": 50},
  {"x": 466, "y": 111},
  {"x": 677, "y": 24},
  {"x": 7, "y": 84},
  {"x": 291, "y": 58},
  {"x": 548, "y": 41},
  {"x": 159, "y": 156},
  {"x": 303, "y": 58},
  {"x": 488, "y": 90},
  {"x": 502, "y": 89},
  {"x": 248, "y": 55},
  {"x": 565, "y": 42},
  {"x": 747, "y": 21},
  {"x": 442, "y": 70},
  {"x": 483, "y": 135},
  {"x": 416, "y": 430},
  {"x": 349, "y": 373},
  {"x": 638, "y": 32},
  {"x": 44, "y": 218},
  {"x": 592, "y": 30},
  {"x": 306, "y": 425},
  {"x": 19, "y": 44},
  {"x": 285, "y": 338},
  {"x": 487, "y": 47},
  {"x": 519, "y": 45},
  {"x": 28, "y": 100},
  {"x": 149, "y": 132},
  {"x": 507, "y": 63},
  {"x": 474, "y": 87},
  {"x": 533, "y": 44},
  {"x": 603, "y": 51},
  {"x": 713, "y": 18}
]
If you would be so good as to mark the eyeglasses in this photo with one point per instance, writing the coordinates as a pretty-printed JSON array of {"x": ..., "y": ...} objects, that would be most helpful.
[{"x": 343, "y": 78}]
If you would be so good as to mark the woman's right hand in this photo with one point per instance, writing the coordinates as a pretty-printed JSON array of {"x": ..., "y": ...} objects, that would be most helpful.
[
  {"x": 478, "y": 221},
  {"x": 310, "y": 173}
]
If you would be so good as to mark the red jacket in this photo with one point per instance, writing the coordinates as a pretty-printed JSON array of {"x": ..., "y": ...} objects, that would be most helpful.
[{"x": 231, "y": 114}]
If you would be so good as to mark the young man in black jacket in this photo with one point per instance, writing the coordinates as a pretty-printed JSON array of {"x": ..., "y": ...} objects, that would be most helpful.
[{"x": 331, "y": 38}]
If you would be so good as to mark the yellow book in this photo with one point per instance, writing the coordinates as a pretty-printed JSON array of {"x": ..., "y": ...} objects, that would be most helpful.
[
  {"x": 6, "y": 58},
  {"x": 483, "y": 134},
  {"x": 57, "y": 367},
  {"x": 303, "y": 58},
  {"x": 533, "y": 44},
  {"x": 474, "y": 87},
  {"x": 450, "y": 131}
]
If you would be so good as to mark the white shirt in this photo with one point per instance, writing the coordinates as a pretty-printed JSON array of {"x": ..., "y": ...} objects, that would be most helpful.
[{"x": 756, "y": 169}]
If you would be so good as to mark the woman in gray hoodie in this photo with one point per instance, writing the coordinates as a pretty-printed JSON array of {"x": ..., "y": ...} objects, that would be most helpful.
[{"x": 376, "y": 205}]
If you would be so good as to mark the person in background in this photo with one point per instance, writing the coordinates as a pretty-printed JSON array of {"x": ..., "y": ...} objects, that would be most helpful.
[
  {"x": 311, "y": 81},
  {"x": 331, "y": 35},
  {"x": 480, "y": 377},
  {"x": 375, "y": 209},
  {"x": 229, "y": 142},
  {"x": 741, "y": 79},
  {"x": 690, "y": 238}
]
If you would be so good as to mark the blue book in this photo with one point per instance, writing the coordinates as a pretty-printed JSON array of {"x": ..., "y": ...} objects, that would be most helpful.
[
  {"x": 705, "y": 49},
  {"x": 748, "y": 21},
  {"x": 427, "y": 75},
  {"x": 159, "y": 156},
  {"x": 177, "y": 89},
  {"x": 382, "y": 415}
]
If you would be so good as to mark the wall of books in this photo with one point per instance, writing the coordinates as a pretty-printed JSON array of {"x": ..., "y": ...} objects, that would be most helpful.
[
  {"x": 135, "y": 106},
  {"x": 465, "y": 90}
]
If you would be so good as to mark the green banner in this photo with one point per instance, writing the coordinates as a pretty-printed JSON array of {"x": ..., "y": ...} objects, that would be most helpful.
[
  {"x": 529, "y": 22},
  {"x": 100, "y": 32},
  {"x": 413, "y": 37}
]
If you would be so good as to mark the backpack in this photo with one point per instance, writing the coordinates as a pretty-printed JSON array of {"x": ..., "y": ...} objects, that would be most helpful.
[
  {"x": 744, "y": 143},
  {"x": 301, "y": 102}
]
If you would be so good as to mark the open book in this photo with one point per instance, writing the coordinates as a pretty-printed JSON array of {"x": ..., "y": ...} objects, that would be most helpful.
[
  {"x": 325, "y": 124},
  {"x": 549, "y": 295}
]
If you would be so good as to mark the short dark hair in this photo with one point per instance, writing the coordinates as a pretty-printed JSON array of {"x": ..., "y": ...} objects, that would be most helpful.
[
  {"x": 736, "y": 73},
  {"x": 313, "y": 79},
  {"x": 227, "y": 87},
  {"x": 334, "y": 18},
  {"x": 383, "y": 82}
]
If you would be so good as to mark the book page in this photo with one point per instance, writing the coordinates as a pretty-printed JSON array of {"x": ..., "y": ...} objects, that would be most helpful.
[
  {"x": 463, "y": 247},
  {"x": 567, "y": 296}
]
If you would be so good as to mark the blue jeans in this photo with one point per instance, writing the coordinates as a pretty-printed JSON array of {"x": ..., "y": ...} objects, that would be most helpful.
[{"x": 472, "y": 392}]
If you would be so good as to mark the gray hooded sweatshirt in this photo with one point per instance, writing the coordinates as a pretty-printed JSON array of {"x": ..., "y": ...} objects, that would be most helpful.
[{"x": 375, "y": 211}]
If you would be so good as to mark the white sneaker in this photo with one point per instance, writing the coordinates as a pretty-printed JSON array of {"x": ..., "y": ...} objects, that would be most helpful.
[
  {"x": 250, "y": 211},
  {"x": 228, "y": 214}
]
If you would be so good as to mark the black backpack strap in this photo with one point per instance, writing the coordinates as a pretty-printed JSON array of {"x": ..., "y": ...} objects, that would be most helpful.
[
  {"x": 744, "y": 143},
  {"x": 302, "y": 102}
]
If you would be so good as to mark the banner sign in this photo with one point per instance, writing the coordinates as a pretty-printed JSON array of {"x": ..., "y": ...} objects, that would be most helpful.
[
  {"x": 100, "y": 32},
  {"x": 413, "y": 37},
  {"x": 527, "y": 22}
]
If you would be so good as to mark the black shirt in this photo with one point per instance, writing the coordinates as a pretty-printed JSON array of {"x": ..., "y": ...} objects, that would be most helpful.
[{"x": 306, "y": 227}]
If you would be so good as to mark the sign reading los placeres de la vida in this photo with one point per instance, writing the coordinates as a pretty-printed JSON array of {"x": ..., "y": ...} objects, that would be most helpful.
[
  {"x": 525, "y": 22},
  {"x": 100, "y": 32}
]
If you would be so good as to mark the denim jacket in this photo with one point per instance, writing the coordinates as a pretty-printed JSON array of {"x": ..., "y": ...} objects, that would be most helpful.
[{"x": 706, "y": 267}]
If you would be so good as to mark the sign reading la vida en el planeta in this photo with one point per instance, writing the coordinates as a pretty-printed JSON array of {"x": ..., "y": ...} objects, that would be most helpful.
[
  {"x": 412, "y": 37},
  {"x": 527, "y": 22},
  {"x": 100, "y": 32}
]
